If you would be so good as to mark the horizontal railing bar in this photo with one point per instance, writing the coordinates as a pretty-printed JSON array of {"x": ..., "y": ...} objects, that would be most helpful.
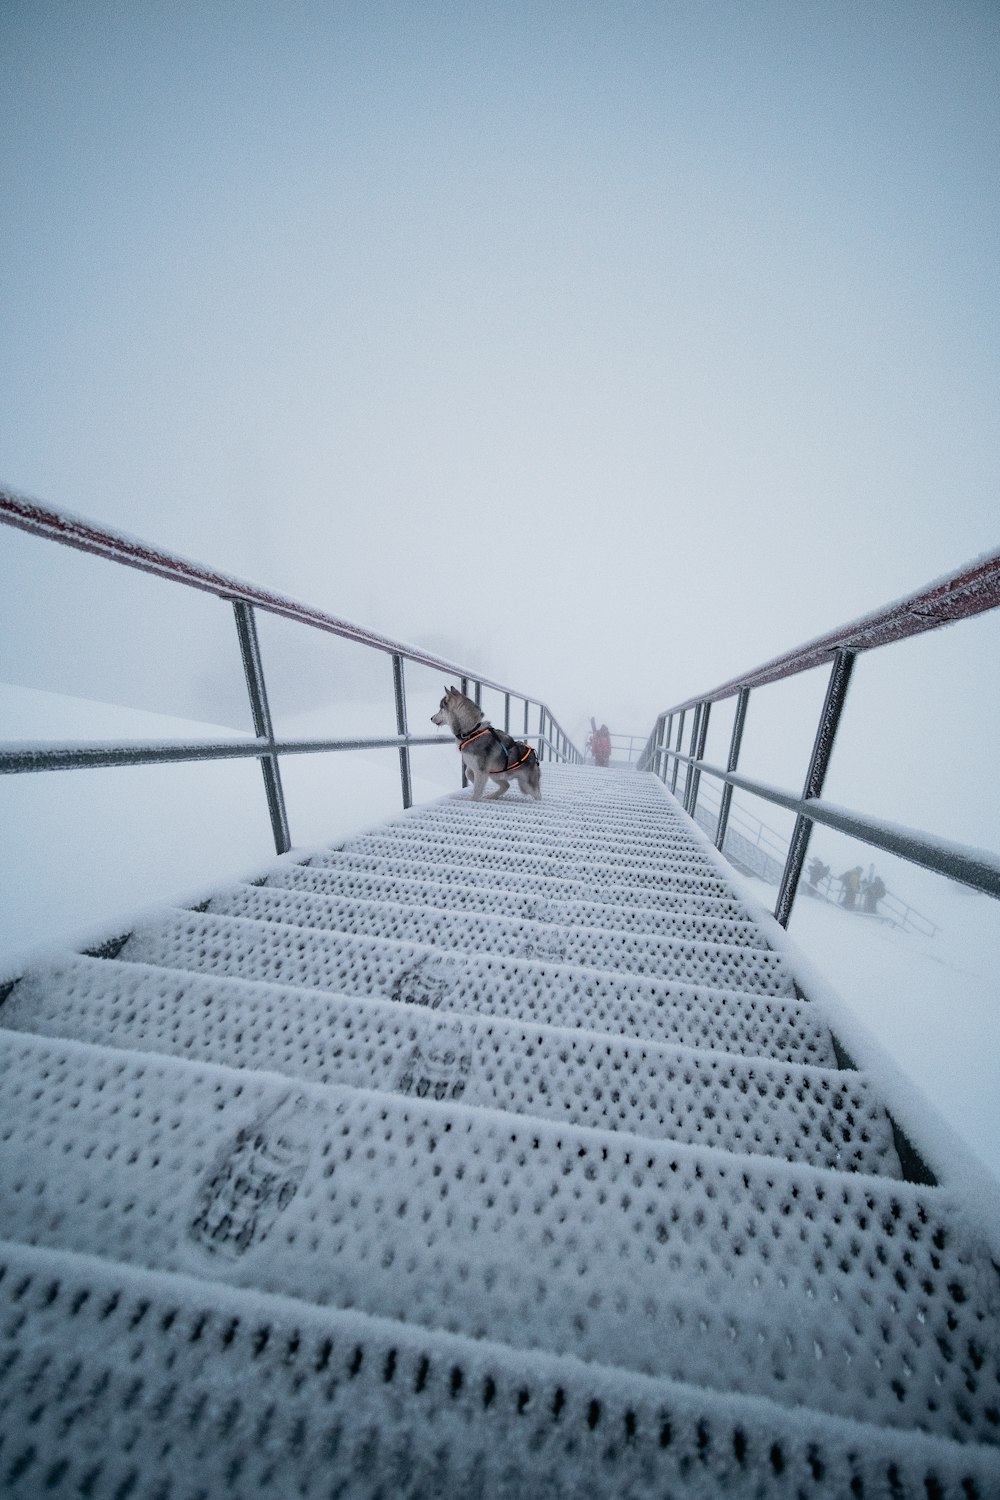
[
  {"x": 972, "y": 867},
  {"x": 75, "y": 531},
  {"x": 17, "y": 757},
  {"x": 970, "y": 590}
]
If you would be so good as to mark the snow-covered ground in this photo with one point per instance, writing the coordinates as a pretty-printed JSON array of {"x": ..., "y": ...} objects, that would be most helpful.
[
  {"x": 85, "y": 851},
  {"x": 932, "y": 1002}
]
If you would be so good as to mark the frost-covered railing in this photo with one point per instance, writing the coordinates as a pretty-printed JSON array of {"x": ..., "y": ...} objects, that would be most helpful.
[
  {"x": 74, "y": 531},
  {"x": 969, "y": 591}
]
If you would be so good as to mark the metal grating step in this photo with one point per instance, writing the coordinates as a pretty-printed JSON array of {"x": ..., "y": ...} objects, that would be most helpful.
[
  {"x": 460, "y": 818},
  {"x": 338, "y": 1195},
  {"x": 118, "y": 1382},
  {"x": 824, "y": 1117},
  {"x": 722, "y": 921},
  {"x": 685, "y": 894},
  {"x": 592, "y": 876},
  {"x": 519, "y": 989},
  {"x": 632, "y": 861},
  {"x": 709, "y": 961},
  {"x": 847, "y": 1294}
]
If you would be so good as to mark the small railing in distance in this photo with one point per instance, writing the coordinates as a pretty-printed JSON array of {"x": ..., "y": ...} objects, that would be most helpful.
[
  {"x": 969, "y": 591},
  {"x": 85, "y": 536}
]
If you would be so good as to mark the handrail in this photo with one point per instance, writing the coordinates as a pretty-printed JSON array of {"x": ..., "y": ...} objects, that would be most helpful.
[
  {"x": 117, "y": 546},
  {"x": 970, "y": 590},
  {"x": 76, "y": 531}
]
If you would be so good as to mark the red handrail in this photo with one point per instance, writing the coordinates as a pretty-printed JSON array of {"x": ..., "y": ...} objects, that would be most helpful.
[
  {"x": 76, "y": 531},
  {"x": 971, "y": 590}
]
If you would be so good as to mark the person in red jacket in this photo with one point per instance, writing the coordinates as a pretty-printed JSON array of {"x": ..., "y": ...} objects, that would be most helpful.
[{"x": 600, "y": 744}]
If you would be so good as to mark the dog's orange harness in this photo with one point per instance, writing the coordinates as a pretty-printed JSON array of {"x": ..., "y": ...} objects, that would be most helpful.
[
  {"x": 477, "y": 736},
  {"x": 488, "y": 729}
]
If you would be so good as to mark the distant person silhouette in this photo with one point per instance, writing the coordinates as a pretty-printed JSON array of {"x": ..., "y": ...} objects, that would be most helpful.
[
  {"x": 600, "y": 743},
  {"x": 850, "y": 883}
]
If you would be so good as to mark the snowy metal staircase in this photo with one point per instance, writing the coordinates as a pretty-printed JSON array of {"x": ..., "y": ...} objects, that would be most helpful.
[{"x": 494, "y": 1153}]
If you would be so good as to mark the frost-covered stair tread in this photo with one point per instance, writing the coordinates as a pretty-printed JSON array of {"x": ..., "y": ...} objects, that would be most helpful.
[
  {"x": 848, "y": 1294},
  {"x": 273, "y": 1398},
  {"x": 683, "y": 893},
  {"x": 639, "y": 869},
  {"x": 651, "y": 838},
  {"x": 310, "y": 1210},
  {"x": 720, "y": 921},
  {"x": 826, "y": 1117},
  {"x": 557, "y": 994},
  {"x": 724, "y": 966}
]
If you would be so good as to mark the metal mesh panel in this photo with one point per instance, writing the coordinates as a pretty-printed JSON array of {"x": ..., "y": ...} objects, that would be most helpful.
[
  {"x": 710, "y": 961},
  {"x": 724, "y": 921},
  {"x": 578, "y": 881},
  {"x": 117, "y": 1382},
  {"x": 860, "y": 1298},
  {"x": 347, "y": 1195},
  {"x": 639, "y": 867},
  {"x": 585, "y": 1078},
  {"x": 518, "y": 989}
]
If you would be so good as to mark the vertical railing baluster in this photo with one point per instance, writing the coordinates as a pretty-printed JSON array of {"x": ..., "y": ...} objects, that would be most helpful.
[
  {"x": 658, "y": 742},
  {"x": 677, "y": 746},
  {"x": 506, "y": 713},
  {"x": 739, "y": 719},
  {"x": 689, "y": 768},
  {"x": 699, "y": 754},
  {"x": 253, "y": 668},
  {"x": 826, "y": 734},
  {"x": 465, "y": 694},
  {"x": 399, "y": 690}
]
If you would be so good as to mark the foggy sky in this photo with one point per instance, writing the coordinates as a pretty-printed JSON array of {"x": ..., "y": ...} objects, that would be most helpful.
[{"x": 620, "y": 345}]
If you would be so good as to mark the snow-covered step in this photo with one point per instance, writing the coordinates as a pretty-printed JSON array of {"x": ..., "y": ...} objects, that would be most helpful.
[
  {"x": 723, "y": 966},
  {"x": 588, "y": 817},
  {"x": 123, "y": 1382},
  {"x": 727, "y": 922},
  {"x": 591, "y": 875},
  {"x": 825, "y": 1117},
  {"x": 851, "y": 1295},
  {"x": 464, "y": 820},
  {"x": 496, "y": 843},
  {"x": 773, "y": 1026},
  {"x": 684, "y": 894}
]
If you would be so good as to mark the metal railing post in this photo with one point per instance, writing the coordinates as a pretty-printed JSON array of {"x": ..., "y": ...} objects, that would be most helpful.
[
  {"x": 253, "y": 667},
  {"x": 826, "y": 734},
  {"x": 677, "y": 746},
  {"x": 541, "y": 732},
  {"x": 465, "y": 694},
  {"x": 687, "y": 768},
  {"x": 699, "y": 751},
  {"x": 739, "y": 719},
  {"x": 506, "y": 713},
  {"x": 399, "y": 690},
  {"x": 658, "y": 742}
]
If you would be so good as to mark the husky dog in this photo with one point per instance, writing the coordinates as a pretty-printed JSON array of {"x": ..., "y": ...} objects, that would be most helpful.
[{"x": 487, "y": 751}]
